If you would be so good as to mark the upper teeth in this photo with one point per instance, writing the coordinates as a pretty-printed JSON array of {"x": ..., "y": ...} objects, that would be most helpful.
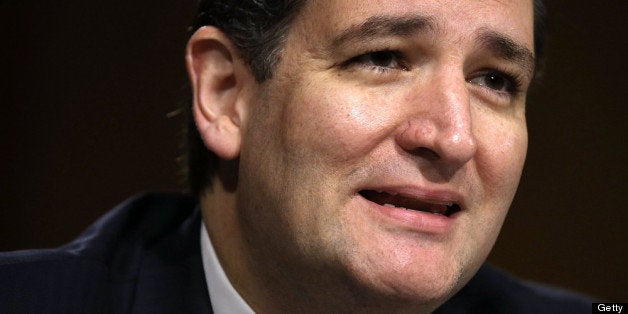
[
  {"x": 387, "y": 192},
  {"x": 442, "y": 203}
]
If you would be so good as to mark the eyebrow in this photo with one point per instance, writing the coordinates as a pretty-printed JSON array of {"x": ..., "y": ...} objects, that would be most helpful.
[
  {"x": 384, "y": 26},
  {"x": 499, "y": 44},
  {"x": 508, "y": 49}
]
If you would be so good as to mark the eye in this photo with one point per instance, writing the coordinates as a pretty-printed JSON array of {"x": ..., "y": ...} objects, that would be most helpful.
[
  {"x": 496, "y": 81},
  {"x": 379, "y": 60}
]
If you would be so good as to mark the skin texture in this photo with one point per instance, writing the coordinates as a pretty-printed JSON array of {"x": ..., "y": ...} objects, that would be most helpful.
[{"x": 432, "y": 120}]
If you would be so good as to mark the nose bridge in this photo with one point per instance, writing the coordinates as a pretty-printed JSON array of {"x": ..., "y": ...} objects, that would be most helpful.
[
  {"x": 443, "y": 125},
  {"x": 455, "y": 118}
]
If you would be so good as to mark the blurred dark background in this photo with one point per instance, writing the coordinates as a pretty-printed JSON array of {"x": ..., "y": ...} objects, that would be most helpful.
[{"x": 87, "y": 118}]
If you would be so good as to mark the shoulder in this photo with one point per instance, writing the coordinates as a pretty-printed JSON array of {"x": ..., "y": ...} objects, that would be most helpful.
[
  {"x": 103, "y": 263},
  {"x": 137, "y": 221},
  {"x": 493, "y": 291}
]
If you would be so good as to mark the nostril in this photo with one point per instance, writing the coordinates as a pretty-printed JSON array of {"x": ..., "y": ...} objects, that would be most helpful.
[{"x": 426, "y": 153}]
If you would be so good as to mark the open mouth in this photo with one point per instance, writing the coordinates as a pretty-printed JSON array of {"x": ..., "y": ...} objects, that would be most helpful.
[{"x": 407, "y": 203}]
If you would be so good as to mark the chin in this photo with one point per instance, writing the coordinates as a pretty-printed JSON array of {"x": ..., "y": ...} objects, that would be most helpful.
[
  {"x": 425, "y": 287},
  {"x": 412, "y": 283}
]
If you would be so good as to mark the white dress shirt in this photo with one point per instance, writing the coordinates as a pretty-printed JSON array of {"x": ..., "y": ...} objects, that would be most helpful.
[{"x": 224, "y": 298}]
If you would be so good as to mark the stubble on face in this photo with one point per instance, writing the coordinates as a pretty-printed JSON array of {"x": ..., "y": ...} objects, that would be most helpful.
[{"x": 320, "y": 131}]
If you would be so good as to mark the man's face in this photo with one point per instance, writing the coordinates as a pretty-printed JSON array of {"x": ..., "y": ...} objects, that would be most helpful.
[{"x": 384, "y": 153}]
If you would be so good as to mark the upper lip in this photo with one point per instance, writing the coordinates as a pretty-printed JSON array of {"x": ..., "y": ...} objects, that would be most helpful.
[{"x": 441, "y": 201}]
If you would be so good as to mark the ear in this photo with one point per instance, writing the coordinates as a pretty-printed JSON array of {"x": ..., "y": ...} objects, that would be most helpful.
[{"x": 221, "y": 84}]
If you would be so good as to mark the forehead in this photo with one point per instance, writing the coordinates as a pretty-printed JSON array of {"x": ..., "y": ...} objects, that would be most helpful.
[{"x": 456, "y": 19}]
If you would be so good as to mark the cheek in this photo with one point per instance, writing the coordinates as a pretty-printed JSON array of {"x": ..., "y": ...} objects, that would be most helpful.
[
  {"x": 501, "y": 155},
  {"x": 339, "y": 124}
]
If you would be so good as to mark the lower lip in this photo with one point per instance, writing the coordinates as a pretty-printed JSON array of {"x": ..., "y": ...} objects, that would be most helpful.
[{"x": 415, "y": 220}]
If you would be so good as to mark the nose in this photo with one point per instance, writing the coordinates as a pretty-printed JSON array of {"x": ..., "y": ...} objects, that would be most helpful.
[{"x": 439, "y": 124}]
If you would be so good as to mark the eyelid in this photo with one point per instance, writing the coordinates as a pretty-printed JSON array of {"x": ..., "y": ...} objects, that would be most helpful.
[
  {"x": 398, "y": 56},
  {"x": 502, "y": 98},
  {"x": 514, "y": 81}
]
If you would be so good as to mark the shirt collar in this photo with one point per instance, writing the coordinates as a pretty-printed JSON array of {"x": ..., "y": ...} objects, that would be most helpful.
[{"x": 224, "y": 298}]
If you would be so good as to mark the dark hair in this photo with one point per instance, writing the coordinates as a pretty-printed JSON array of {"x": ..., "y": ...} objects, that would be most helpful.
[
  {"x": 258, "y": 28},
  {"x": 540, "y": 14}
]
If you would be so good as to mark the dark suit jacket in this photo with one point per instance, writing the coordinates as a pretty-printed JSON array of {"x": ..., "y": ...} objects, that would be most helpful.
[{"x": 144, "y": 257}]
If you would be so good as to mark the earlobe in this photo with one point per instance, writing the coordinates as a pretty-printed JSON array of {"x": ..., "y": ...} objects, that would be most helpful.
[{"x": 218, "y": 77}]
